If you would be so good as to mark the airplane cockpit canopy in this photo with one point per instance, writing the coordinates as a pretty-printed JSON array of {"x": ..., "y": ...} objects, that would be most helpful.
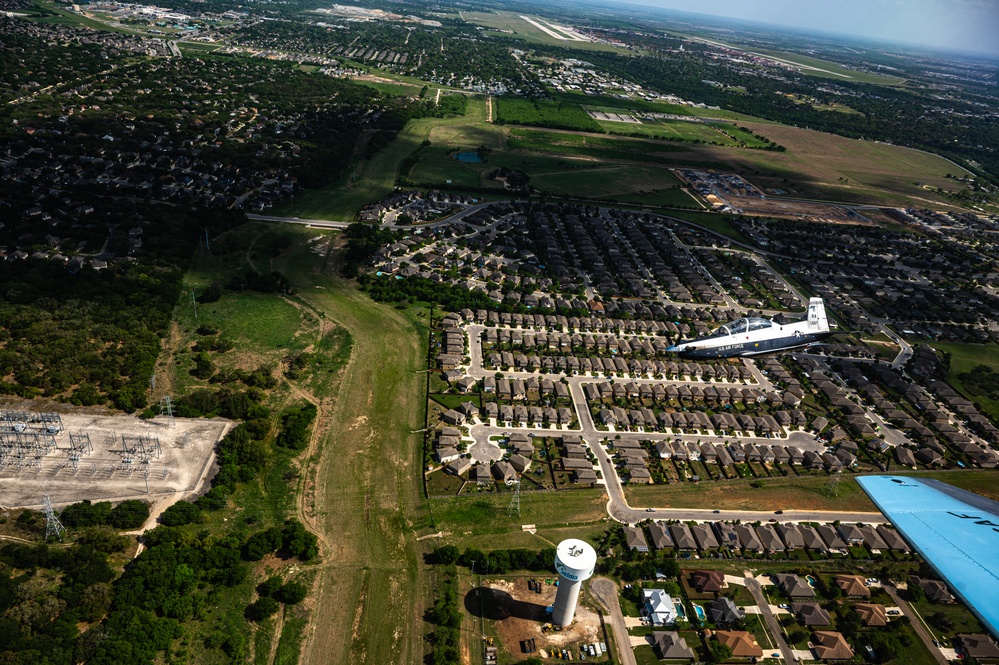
[{"x": 746, "y": 325}]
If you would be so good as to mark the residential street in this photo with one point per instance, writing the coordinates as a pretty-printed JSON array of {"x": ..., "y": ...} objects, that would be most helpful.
[{"x": 483, "y": 450}]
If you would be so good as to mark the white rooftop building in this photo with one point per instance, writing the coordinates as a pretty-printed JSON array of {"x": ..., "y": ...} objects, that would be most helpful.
[{"x": 659, "y": 607}]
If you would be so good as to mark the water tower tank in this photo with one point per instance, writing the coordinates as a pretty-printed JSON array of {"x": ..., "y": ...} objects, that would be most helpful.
[{"x": 574, "y": 562}]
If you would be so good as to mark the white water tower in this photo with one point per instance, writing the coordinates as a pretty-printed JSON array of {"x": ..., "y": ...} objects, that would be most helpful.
[{"x": 574, "y": 562}]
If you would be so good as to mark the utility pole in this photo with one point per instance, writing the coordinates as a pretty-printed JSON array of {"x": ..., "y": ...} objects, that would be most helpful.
[{"x": 194, "y": 302}]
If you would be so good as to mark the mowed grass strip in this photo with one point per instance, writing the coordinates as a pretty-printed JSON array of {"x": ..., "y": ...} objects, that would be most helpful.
[{"x": 805, "y": 493}]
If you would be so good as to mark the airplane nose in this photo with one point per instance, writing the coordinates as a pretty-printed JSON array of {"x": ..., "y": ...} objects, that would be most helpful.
[{"x": 673, "y": 349}]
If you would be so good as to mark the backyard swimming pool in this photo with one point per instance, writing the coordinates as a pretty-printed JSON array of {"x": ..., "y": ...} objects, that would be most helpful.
[{"x": 470, "y": 157}]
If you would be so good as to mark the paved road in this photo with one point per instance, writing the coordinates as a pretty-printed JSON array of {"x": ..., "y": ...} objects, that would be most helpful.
[
  {"x": 605, "y": 591},
  {"x": 322, "y": 223},
  {"x": 917, "y": 624},
  {"x": 617, "y": 504},
  {"x": 773, "y": 627},
  {"x": 333, "y": 224}
]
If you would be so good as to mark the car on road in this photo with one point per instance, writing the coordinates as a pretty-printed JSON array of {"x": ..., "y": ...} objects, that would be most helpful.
[
  {"x": 650, "y": 510},
  {"x": 772, "y": 520},
  {"x": 716, "y": 511},
  {"x": 784, "y": 606},
  {"x": 778, "y": 512}
]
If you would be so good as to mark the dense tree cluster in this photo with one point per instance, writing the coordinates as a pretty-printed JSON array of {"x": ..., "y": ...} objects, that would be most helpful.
[
  {"x": 544, "y": 113},
  {"x": 39, "y": 624},
  {"x": 446, "y": 617},
  {"x": 495, "y": 561},
  {"x": 129, "y": 514},
  {"x": 295, "y": 423}
]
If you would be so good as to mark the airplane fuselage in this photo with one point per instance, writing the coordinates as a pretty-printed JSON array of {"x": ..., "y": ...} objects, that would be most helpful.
[{"x": 758, "y": 336}]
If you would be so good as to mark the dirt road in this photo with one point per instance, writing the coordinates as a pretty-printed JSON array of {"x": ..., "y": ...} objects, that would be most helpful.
[{"x": 605, "y": 591}]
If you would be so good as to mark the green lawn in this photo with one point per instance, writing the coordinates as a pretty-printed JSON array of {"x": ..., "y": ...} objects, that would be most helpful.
[
  {"x": 715, "y": 222},
  {"x": 376, "y": 177},
  {"x": 964, "y": 358}
]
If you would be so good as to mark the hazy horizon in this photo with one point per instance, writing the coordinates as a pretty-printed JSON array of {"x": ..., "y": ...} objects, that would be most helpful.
[{"x": 954, "y": 25}]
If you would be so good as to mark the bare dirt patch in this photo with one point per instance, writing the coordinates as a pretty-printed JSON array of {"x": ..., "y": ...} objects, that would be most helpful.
[
  {"x": 515, "y": 614},
  {"x": 181, "y": 469}
]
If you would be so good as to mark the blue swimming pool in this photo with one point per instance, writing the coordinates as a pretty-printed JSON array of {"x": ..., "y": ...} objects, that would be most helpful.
[
  {"x": 470, "y": 157},
  {"x": 700, "y": 612},
  {"x": 957, "y": 532}
]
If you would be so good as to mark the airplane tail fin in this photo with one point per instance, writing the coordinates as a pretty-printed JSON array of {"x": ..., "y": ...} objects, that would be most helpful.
[{"x": 817, "y": 321}]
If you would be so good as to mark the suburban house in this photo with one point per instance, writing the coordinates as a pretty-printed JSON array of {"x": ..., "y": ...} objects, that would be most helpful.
[
  {"x": 670, "y": 646},
  {"x": 831, "y": 645},
  {"x": 742, "y": 643},
  {"x": 659, "y": 607},
  {"x": 810, "y": 614}
]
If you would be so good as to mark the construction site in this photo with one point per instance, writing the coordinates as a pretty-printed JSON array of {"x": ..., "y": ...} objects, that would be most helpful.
[
  {"x": 512, "y": 621},
  {"x": 70, "y": 457}
]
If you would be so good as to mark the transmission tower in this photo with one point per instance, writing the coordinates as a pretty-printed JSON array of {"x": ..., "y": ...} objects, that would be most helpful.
[
  {"x": 53, "y": 527},
  {"x": 514, "y": 507},
  {"x": 832, "y": 487},
  {"x": 166, "y": 409}
]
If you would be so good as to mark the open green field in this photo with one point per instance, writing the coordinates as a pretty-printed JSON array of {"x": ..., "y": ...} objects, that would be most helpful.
[
  {"x": 593, "y": 146},
  {"x": 362, "y": 489},
  {"x": 684, "y": 130},
  {"x": 502, "y": 21},
  {"x": 557, "y": 176},
  {"x": 482, "y": 519},
  {"x": 714, "y": 221},
  {"x": 376, "y": 177},
  {"x": 808, "y": 64},
  {"x": 801, "y": 493},
  {"x": 197, "y": 47},
  {"x": 964, "y": 358},
  {"x": 46, "y": 11},
  {"x": 631, "y": 170},
  {"x": 358, "y": 485},
  {"x": 396, "y": 89}
]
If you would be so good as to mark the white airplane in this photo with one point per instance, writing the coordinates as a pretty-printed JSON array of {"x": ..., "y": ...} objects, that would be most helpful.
[{"x": 755, "y": 336}]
